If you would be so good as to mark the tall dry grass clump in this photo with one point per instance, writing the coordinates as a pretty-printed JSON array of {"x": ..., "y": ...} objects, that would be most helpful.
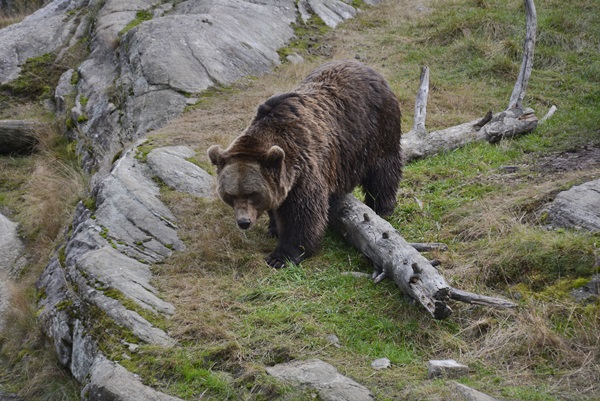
[
  {"x": 25, "y": 349},
  {"x": 52, "y": 190},
  {"x": 50, "y": 183},
  {"x": 17, "y": 11}
]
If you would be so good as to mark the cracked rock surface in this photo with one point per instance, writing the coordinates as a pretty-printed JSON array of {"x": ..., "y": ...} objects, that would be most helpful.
[
  {"x": 106, "y": 258},
  {"x": 322, "y": 377},
  {"x": 578, "y": 207}
]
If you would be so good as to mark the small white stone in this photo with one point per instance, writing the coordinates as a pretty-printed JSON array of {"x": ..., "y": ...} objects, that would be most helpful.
[
  {"x": 382, "y": 363},
  {"x": 333, "y": 339},
  {"x": 295, "y": 58},
  {"x": 448, "y": 368}
]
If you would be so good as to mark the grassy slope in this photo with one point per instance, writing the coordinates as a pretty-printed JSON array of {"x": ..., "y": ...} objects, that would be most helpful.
[{"x": 234, "y": 315}]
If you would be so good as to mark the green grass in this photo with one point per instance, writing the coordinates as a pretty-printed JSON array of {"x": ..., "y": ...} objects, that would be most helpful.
[
  {"x": 488, "y": 217},
  {"x": 140, "y": 17},
  {"x": 234, "y": 315}
]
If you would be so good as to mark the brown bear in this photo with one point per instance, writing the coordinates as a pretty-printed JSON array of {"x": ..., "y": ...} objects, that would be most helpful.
[{"x": 306, "y": 149}]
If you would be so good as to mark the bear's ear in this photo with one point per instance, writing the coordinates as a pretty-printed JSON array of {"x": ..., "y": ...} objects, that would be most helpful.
[
  {"x": 215, "y": 154},
  {"x": 274, "y": 157},
  {"x": 282, "y": 108}
]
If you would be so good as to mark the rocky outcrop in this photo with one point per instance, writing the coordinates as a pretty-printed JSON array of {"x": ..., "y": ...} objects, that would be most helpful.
[
  {"x": 170, "y": 165},
  {"x": 146, "y": 56},
  {"x": 51, "y": 29},
  {"x": 110, "y": 381},
  {"x": 578, "y": 208},
  {"x": 103, "y": 270},
  {"x": 323, "y": 378}
]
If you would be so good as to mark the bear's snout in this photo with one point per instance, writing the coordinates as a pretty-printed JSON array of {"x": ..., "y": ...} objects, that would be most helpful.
[
  {"x": 244, "y": 223},
  {"x": 245, "y": 213}
]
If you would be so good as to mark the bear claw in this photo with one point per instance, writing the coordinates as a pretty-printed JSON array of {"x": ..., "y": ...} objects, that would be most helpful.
[{"x": 275, "y": 262}]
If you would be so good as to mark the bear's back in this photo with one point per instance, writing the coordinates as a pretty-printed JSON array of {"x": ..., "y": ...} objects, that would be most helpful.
[
  {"x": 335, "y": 125},
  {"x": 358, "y": 117}
]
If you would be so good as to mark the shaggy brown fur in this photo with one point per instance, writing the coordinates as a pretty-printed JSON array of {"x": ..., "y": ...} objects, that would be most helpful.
[{"x": 306, "y": 149}]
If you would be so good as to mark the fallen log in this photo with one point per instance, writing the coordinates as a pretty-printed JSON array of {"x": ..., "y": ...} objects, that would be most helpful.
[
  {"x": 419, "y": 143},
  {"x": 397, "y": 259},
  {"x": 394, "y": 257}
]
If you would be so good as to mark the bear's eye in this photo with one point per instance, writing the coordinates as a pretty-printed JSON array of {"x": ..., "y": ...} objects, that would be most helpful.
[
  {"x": 228, "y": 198},
  {"x": 255, "y": 197}
]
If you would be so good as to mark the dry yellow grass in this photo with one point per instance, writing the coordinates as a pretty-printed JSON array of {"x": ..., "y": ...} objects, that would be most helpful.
[
  {"x": 18, "y": 11},
  {"x": 47, "y": 186}
]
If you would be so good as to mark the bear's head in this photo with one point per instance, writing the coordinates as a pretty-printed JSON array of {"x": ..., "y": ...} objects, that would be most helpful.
[{"x": 250, "y": 183}]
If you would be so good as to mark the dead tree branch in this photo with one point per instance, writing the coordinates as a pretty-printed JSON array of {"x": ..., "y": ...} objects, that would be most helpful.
[
  {"x": 518, "y": 94},
  {"x": 421, "y": 104}
]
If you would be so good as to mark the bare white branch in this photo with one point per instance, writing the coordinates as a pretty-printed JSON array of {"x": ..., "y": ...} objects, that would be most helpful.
[
  {"x": 518, "y": 94},
  {"x": 421, "y": 103}
]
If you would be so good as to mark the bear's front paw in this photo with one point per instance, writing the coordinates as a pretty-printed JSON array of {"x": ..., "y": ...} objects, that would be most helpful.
[{"x": 276, "y": 261}]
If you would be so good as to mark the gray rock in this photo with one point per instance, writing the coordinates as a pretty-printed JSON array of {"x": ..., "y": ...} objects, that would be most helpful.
[
  {"x": 12, "y": 250},
  {"x": 382, "y": 363},
  {"x": 104, "y": 251},
  {"x": 202, "y": 44},
  {"x": 127, "y": 275},
  {"x": 589, "y": 292},
  {"x": 139, "y": 326},
  {"x": 470, "y": 394},
  {"x": 333, "y": 339},
  {"x": 111, "y": 382},
  {"x": 131, "y": 215},
  {"x": 448, "y": 368},
  {"x": 304, "y": 10},
  {"x": 17, "y": 136},
  {"x": 47, "y": 30},
  {"x": 170, "y": 165},
  {"x": 12, "y": 260},
  {"x": 84, "y": 352},
  {"x": 295, "y": 58},
  {"x": 151, "y": 109},
  {"x": 324, "y": 378},
  {"x": 332, "y": 12},
  {"x": 63, "y": 89},
  {"x": 53, "y": 316},
  {"x": 103, "y": 132},
  {"x": 578, "y": 207},
  {"x": 160, "y": 10}
]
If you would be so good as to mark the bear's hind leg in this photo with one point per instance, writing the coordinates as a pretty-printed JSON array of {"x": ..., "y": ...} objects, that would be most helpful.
[{"x": 381, "y": 187}]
